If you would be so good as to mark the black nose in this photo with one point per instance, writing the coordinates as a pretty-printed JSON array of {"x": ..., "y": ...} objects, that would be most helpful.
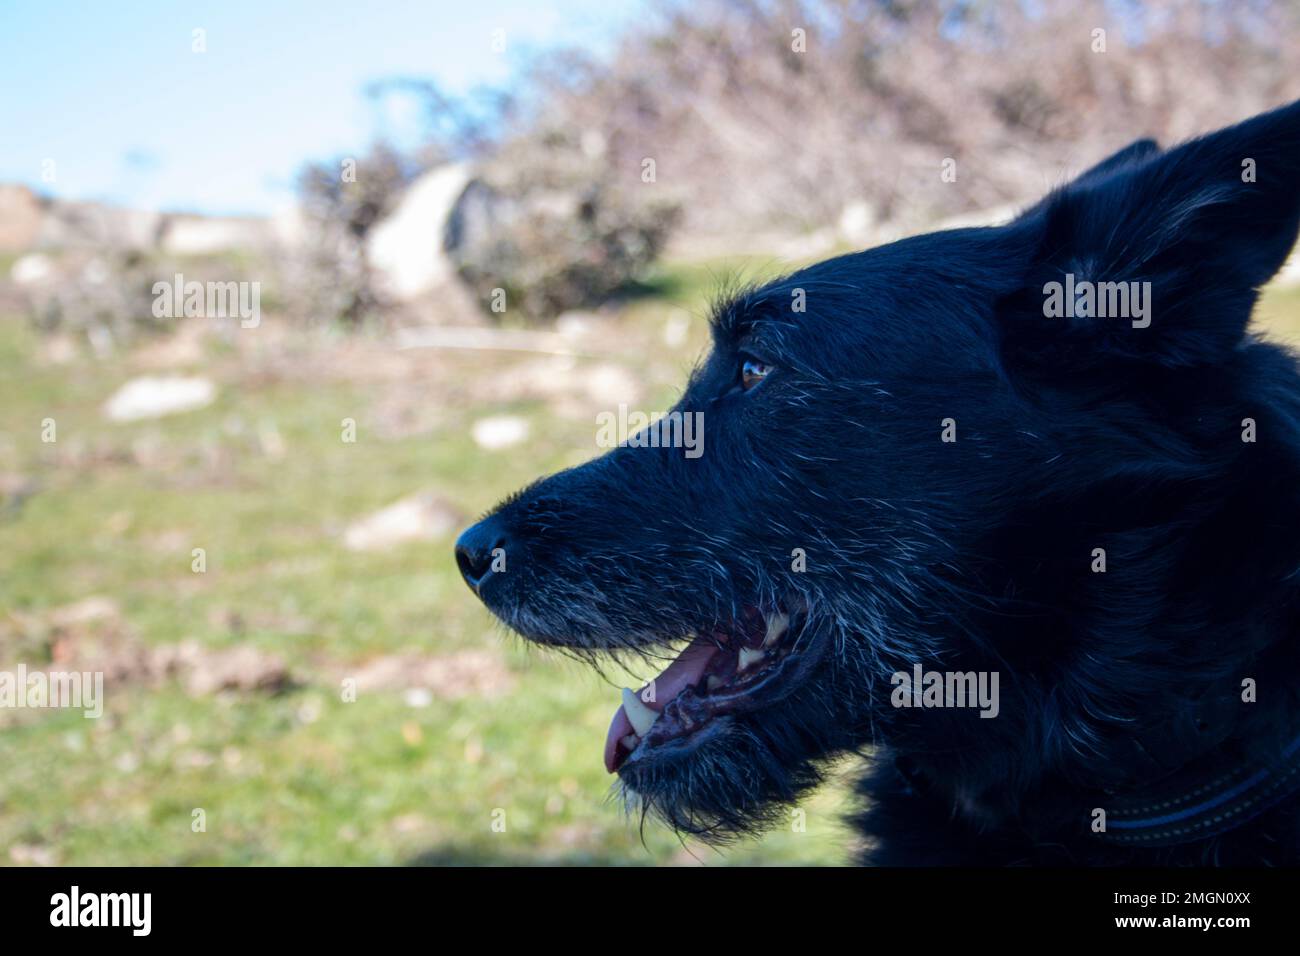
[{"x": 478, "y": 548}]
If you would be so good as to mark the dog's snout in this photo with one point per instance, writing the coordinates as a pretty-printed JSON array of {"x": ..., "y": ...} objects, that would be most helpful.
[{"x": 478, "y": 549}]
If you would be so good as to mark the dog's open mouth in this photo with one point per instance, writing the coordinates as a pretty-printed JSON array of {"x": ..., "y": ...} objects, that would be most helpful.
[{"x": 747, "y": 666}]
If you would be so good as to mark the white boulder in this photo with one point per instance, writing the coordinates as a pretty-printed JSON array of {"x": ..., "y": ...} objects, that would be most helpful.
[
  {"x": 405, "y": 250},
  {"x": 151, "y": 396}
]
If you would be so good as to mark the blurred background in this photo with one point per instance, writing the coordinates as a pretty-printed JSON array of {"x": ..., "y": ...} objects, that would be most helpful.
[{"x": 454, "y": 237}]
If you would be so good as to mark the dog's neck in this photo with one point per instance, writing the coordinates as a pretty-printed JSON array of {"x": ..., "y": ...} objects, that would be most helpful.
[
  {"x": 1213, "y": 793},
  {"x": 1179, "y": 716}
]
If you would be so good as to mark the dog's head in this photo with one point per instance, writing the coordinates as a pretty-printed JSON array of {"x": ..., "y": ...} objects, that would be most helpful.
[{"x": 904, "y": 455}]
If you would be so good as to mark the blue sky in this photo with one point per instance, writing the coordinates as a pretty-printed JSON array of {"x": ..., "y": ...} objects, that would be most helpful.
[{"x": 113, "y": 93}]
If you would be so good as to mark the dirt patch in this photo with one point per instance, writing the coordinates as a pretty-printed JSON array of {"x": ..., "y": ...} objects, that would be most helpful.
[
  {"x": 92, "y": 635},
  {"x": 204, "y": 671},
  {"x": 474, "y": 673}
]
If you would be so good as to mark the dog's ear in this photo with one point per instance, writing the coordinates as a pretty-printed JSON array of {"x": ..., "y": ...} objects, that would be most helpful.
[
  {"x": 1155, "y": 255},
  {"x": 1135, "y": 152}
]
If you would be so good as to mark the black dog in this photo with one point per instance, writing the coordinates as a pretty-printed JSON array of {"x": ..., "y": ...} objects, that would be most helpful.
[{"x": 1017, "y": 507}]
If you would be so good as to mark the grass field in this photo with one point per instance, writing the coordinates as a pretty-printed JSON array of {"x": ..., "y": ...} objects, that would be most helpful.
[
  {"x": 264, "y": 483},
  {"x": 96, "y": 544}
]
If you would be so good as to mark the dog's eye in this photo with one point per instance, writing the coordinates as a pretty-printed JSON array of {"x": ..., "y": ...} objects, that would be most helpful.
[{"x": 752, "y": 372}]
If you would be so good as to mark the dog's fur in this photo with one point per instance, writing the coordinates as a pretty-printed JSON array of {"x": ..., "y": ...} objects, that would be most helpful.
[{"x": 978, "y": 554}]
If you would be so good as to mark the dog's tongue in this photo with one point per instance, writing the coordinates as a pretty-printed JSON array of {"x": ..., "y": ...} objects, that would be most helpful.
[{"x": 676, "y": 677}]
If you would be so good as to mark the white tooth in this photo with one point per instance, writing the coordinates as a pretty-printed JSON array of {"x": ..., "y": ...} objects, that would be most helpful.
[
  {"x": 637, "y": 712},
  {"x": 749, "y": 656},
  {"x": 776, "y": 626},
  {"x": 630, "y": 741}
]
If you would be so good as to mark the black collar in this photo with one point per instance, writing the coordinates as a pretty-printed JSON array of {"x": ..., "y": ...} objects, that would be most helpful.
[
  {"x": 1191, "y": 804},
  {"x": 1200, "y": 771}
]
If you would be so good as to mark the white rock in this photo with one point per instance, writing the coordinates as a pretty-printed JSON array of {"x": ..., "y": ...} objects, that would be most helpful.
[
  {"x": 31, "y": 269},
  {"x": 415, "y": 518},
  {"x": 418, "y": 697},
  {"x": 204, "y": 235},
  {"x": 405, "y": 250},
  {"x": 499, "y": 431},
  {"x": 155, "y": 396}
]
